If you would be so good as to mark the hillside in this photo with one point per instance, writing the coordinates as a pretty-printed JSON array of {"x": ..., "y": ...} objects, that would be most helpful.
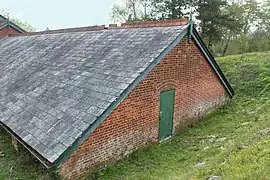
[{"x": 233, "y": 143}]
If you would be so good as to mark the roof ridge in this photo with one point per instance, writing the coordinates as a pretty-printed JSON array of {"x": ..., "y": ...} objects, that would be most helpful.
[
  {"x": 157, "y": 23},
  {"x": 126, "y": 25},
  {"x": 66, "y": 30}
]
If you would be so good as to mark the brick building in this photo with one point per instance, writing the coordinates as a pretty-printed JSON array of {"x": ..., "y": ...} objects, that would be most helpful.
[
  {"x": 8, "y": 28},
  {"x": 79, "y": 100}
]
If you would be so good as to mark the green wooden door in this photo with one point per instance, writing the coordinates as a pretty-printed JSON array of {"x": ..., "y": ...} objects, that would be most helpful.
[{"x": 166, "y": 114}]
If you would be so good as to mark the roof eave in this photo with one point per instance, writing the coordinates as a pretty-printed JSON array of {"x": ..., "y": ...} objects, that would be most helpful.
[
  {"x": 3, "y": 17},
  {"x": 3, "y": 25},
  {"x": 18, "y": 28},
  {"x": 13, "y": 25},
  {"x": 46, "y": 163}
]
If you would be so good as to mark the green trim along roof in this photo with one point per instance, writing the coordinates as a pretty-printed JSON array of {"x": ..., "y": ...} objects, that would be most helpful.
[
  {"x": 109, "y": 110},
  {"x": 5, "y": 23}
]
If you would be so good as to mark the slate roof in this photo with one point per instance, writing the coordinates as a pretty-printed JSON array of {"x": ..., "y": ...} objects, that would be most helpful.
[{"x": 54, "y": 86}]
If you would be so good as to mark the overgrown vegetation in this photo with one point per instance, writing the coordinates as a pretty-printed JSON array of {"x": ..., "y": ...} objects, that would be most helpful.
[{"x": 234, "y": 142}]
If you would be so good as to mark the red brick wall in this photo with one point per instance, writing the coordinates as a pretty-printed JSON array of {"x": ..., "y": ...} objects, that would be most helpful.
[
  {"x": 147, "y": 24},
  {"x": 8, "y": 31},
  {"x": 134, "y": 123}
]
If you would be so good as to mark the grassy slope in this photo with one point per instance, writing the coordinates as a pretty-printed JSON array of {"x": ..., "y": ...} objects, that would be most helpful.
[{"x": 234, "y": 142}]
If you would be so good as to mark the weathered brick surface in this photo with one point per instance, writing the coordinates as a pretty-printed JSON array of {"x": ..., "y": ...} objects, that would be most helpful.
[
  {"x": 134, "y": 123},
  {"x": 7, "y": 31},
  {"x": 142, "y": 24}
]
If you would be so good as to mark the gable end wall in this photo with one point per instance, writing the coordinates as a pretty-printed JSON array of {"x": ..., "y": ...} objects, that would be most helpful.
[
  {"x": 7, "y": 31},
  {"x": 134, "y": 123}
]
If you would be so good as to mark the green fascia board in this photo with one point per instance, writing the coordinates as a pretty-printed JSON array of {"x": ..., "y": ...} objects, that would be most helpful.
[
  {"x": 213, "y": 63},
  {"x": 11, "y": 24},
  {"x": 190, "y": 30},
  {"x": 110, "y": 109},
  {"x": 18, "y": 28},
  {"x": 3, "y": 25}
]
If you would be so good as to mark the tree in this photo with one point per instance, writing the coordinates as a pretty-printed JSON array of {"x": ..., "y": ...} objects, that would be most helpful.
[
  {"x": 171, "y": 9},
  {"x": 134, "y": 10},
  {"x": 213, "y": 19},
  {"x": 248, "y": 14},
  {"x": 23, "y": 24},
  {"x": 131, "y": 10},
  {"x": 264, "y": 18},
  {"x": 234, "y": 27}
]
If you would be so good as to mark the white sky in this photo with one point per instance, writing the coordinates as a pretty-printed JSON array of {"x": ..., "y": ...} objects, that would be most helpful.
[{"x": 57, "y": 14}]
